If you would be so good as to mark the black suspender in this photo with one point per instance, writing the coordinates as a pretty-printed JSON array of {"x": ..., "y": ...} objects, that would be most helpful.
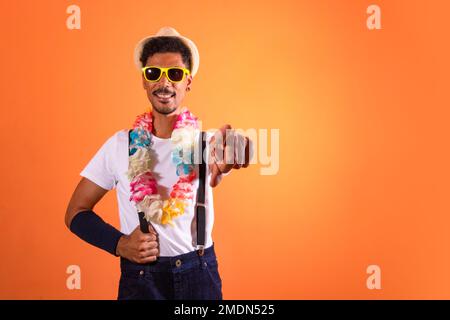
[{"x": 200, "y": 209}]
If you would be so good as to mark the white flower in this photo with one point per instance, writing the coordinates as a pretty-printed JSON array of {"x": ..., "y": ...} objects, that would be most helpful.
[
  {"x": 183, "y": 137},
  {"x": 138, "y": 163},
  {"x": 152, "y": 206}
]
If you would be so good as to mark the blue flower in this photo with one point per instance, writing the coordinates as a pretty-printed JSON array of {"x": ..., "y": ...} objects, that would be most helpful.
[
  {"x": 184, "y": 169},
  {"x": 139, "y": 139},
  {"x": 177, "y": 156}
]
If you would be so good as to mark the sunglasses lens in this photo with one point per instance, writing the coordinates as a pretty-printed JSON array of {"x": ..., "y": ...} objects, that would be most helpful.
[
  {"x": 152, "y": 74},
  {"x": 175, "y": 74}
]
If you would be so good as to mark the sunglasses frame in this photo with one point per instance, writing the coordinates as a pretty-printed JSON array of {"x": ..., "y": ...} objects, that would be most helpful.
[{"x": 165, "y": 71}]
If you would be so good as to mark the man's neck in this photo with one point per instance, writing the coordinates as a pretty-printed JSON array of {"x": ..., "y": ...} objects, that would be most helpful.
[{"x": 163, "y": 124}]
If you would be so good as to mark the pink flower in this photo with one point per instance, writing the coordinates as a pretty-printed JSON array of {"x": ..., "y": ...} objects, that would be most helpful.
[
  {"x": 142, "y": 185},
  {"x": 144, "y": 121},
  {"x": 186, "y": 119},
  {"x": 182, "y": 190},
  {"x": 188, "y": 178}
]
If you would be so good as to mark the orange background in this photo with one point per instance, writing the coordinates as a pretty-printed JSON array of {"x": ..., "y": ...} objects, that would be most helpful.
[{"x": 363, "y": 118}]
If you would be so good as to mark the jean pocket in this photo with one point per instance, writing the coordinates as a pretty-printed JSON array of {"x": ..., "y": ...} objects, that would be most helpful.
[{"x": 131, "y": 286}]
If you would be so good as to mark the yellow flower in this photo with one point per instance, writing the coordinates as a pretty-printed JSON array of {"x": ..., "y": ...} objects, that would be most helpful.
[{"x": 172, "y": 208}]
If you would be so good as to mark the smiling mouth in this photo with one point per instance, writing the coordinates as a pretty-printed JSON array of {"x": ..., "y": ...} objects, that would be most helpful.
[{"x": 164, "y": 96}]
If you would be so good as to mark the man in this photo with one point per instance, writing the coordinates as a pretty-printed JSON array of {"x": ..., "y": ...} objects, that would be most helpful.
[{"x": 150, "y": 169}]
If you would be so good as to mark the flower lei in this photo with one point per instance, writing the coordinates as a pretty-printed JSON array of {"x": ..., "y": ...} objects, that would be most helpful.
[{"x": 143, "y": 185}]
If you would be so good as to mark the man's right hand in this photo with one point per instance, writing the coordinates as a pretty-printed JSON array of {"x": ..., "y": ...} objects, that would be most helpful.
[{"x": 139, "y": 247}]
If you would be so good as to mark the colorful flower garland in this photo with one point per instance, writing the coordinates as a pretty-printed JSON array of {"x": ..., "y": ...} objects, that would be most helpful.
[{"x": 144, "y": 191}]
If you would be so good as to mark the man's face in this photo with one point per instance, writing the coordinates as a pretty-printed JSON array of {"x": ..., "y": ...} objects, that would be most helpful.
[{"x": 164, "y": 87}]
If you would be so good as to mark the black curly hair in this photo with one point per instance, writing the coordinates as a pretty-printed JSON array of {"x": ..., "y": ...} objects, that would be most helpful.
[{"x": 165, "y": 44}]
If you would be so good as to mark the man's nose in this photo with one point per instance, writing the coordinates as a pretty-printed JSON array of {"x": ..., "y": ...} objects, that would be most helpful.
[{"x": 164, "y": 80}]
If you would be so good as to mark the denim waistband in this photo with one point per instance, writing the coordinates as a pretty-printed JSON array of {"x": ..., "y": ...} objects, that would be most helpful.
[{"x": 174, "y": 264}]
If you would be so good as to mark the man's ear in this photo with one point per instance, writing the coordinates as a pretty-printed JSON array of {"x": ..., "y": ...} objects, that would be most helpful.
[{"x": 189, "y": 82}]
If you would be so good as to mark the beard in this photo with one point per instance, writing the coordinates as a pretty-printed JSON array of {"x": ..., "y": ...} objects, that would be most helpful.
[{"x": 164, "y": 109}]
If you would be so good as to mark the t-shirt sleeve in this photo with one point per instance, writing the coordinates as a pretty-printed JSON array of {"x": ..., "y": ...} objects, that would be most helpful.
[{"x": 101, "y": 168}]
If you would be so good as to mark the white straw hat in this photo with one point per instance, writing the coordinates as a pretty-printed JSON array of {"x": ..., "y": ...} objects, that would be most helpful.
[{"x": 169, "y": 32}]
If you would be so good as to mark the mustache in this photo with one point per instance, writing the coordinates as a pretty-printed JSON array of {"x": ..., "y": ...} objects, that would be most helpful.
[{"x": 163, "y": 91}]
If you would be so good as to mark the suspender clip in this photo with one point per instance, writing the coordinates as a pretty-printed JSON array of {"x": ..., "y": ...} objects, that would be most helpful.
[{"x": 201, "y": 250}]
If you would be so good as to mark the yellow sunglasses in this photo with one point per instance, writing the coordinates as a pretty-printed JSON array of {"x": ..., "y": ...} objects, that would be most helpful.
[{"x": 174, "y": 74}]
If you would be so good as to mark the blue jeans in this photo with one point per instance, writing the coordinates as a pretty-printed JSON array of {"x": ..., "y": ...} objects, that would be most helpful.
[{"x": 187, "y": 276}]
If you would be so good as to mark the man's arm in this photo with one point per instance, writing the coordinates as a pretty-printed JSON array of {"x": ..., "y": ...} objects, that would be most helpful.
[
  {"x": 85, "y": 197},
  {"x": 81, "y": 220}
]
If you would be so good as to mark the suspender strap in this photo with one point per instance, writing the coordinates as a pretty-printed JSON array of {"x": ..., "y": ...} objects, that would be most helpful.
[{"x": 200, "y": 207}]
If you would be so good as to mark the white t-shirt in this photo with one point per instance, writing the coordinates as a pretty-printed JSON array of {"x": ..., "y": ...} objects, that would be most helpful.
[{"x": 108, "y": 170}]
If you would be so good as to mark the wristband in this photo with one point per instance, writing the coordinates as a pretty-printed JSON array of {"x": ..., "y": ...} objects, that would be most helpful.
[{"x": 91, "y": 228}]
